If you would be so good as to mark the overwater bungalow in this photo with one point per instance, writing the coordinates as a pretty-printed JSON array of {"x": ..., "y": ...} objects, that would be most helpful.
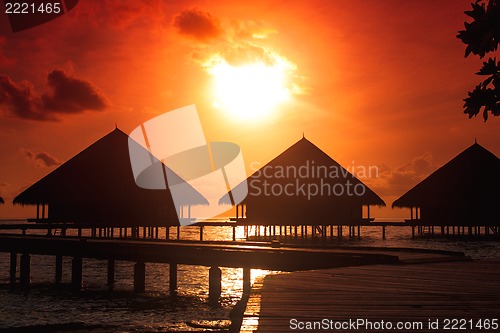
[
  {"x": 463, "y": 192},
  {"x": 97, "y": 188},
  {"x": 305, "y": 186}
]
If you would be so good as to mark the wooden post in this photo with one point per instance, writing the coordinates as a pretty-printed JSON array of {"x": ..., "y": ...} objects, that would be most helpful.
[
  {"x": 13, "y": 266},
  {"x": 201, "y": 233},
  {"x": 247, "y": 281},
  {"x": 214, "y": 285},
  {"x": 59, "y": 262},
  {"x": 178, "y": 232},
  {"x": 234, "y": 233},
  {"x": 79, "y": 232},
  {"x": 383, "y": 232},
  {"x": 412, "y": 231},
  {"x": 25, "y": 269},
  {"x": 111, "y": 272},
  {"x": 139, "y": 277},
  {"x": 167, "y": 232},
  {"x": 76, "y": 273},
  {"x": 172, "y": 278}
]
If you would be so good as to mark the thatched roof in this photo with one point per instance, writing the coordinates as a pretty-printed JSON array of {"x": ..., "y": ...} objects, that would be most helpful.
[
  {"x": 100, "y": 173},
  {"x": 471, "y": 177},
  {"x": 304, "y": 154}
]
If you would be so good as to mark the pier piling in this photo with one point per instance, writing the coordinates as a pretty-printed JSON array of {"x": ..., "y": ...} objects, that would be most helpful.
[
  {"x": 59, "y": 261},
  {"x": 247, "y": 281},
  {"x": 76, "y": 273},
  {"x": 13, "y": 266},
  {"x": 25, "y": 269},
  {"x": 111, "y": 272},
  {"x": 173, "y": 278},
  {"x": 214, "y": 285},
  {"x": 139, "y": 277}
]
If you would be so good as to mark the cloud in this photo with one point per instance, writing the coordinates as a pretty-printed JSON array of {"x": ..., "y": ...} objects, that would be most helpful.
[
  {"x": 397, "y": 181},
  {"x": 42, "y": 159},
  {"x": 68, "y": 95},
  {"x": 20, "y": 100},
  {"x": 233, "y": 42},
  {"x": 4, "y": 60},
  {"x": 71, "y": 95},
  {"x": 197, "y": 24}
]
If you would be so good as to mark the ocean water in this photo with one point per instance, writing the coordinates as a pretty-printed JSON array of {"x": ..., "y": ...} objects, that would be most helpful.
[{"x": 121, "y": 310}]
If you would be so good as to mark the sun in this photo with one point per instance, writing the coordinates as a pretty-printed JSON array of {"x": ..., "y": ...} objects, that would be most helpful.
[{"x": 250, "y": 91}]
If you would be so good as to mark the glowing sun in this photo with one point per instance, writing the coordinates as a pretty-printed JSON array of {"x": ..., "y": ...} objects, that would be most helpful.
[{"x": 250, "y": 91}]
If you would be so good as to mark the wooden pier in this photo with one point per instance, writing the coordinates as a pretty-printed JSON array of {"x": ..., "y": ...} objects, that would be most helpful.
[
  {"x": 212, "y": 255},
  {"x": 286, "y": 234},
  {"x": 421, "y": 291}
]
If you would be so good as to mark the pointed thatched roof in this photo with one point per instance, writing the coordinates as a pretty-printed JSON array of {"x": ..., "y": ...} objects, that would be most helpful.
[
  {"x": 100, "y": 174},
  {"x": 304, "y": 154},
  {"x": 471, "y": 177}
]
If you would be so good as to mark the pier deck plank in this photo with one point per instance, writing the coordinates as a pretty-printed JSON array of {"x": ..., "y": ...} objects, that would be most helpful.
[{"x": 416, "y": 292}]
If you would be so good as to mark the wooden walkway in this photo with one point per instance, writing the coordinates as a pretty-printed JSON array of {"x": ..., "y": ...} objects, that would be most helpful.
[{"x": 467, "y": 290}]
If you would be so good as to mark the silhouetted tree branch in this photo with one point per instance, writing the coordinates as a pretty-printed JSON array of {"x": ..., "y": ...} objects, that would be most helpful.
[{"x": 482, "y": 36}]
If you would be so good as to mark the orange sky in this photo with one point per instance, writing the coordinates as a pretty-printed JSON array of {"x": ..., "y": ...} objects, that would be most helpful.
[{"x": 382, "y": 82}]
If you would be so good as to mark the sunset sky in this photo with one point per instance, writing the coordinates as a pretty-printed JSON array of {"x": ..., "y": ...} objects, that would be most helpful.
[{"x": 370, "y": 82}]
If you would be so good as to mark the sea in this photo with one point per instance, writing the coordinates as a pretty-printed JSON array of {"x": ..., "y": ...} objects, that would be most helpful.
[{"x": 47, "y": 307}]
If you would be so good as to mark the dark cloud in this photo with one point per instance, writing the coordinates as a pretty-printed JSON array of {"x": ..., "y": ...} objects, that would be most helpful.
[
  {"x": 71, "y": 95},
  {"x": 397, "y": 181},
  {"x": 68, "y": 95},
  {"x": 4, "y": 60},
  {"x": 198, "y": 24},
  {"x": 42, "y": 159},
  {"x": 20, "y": 100}
]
